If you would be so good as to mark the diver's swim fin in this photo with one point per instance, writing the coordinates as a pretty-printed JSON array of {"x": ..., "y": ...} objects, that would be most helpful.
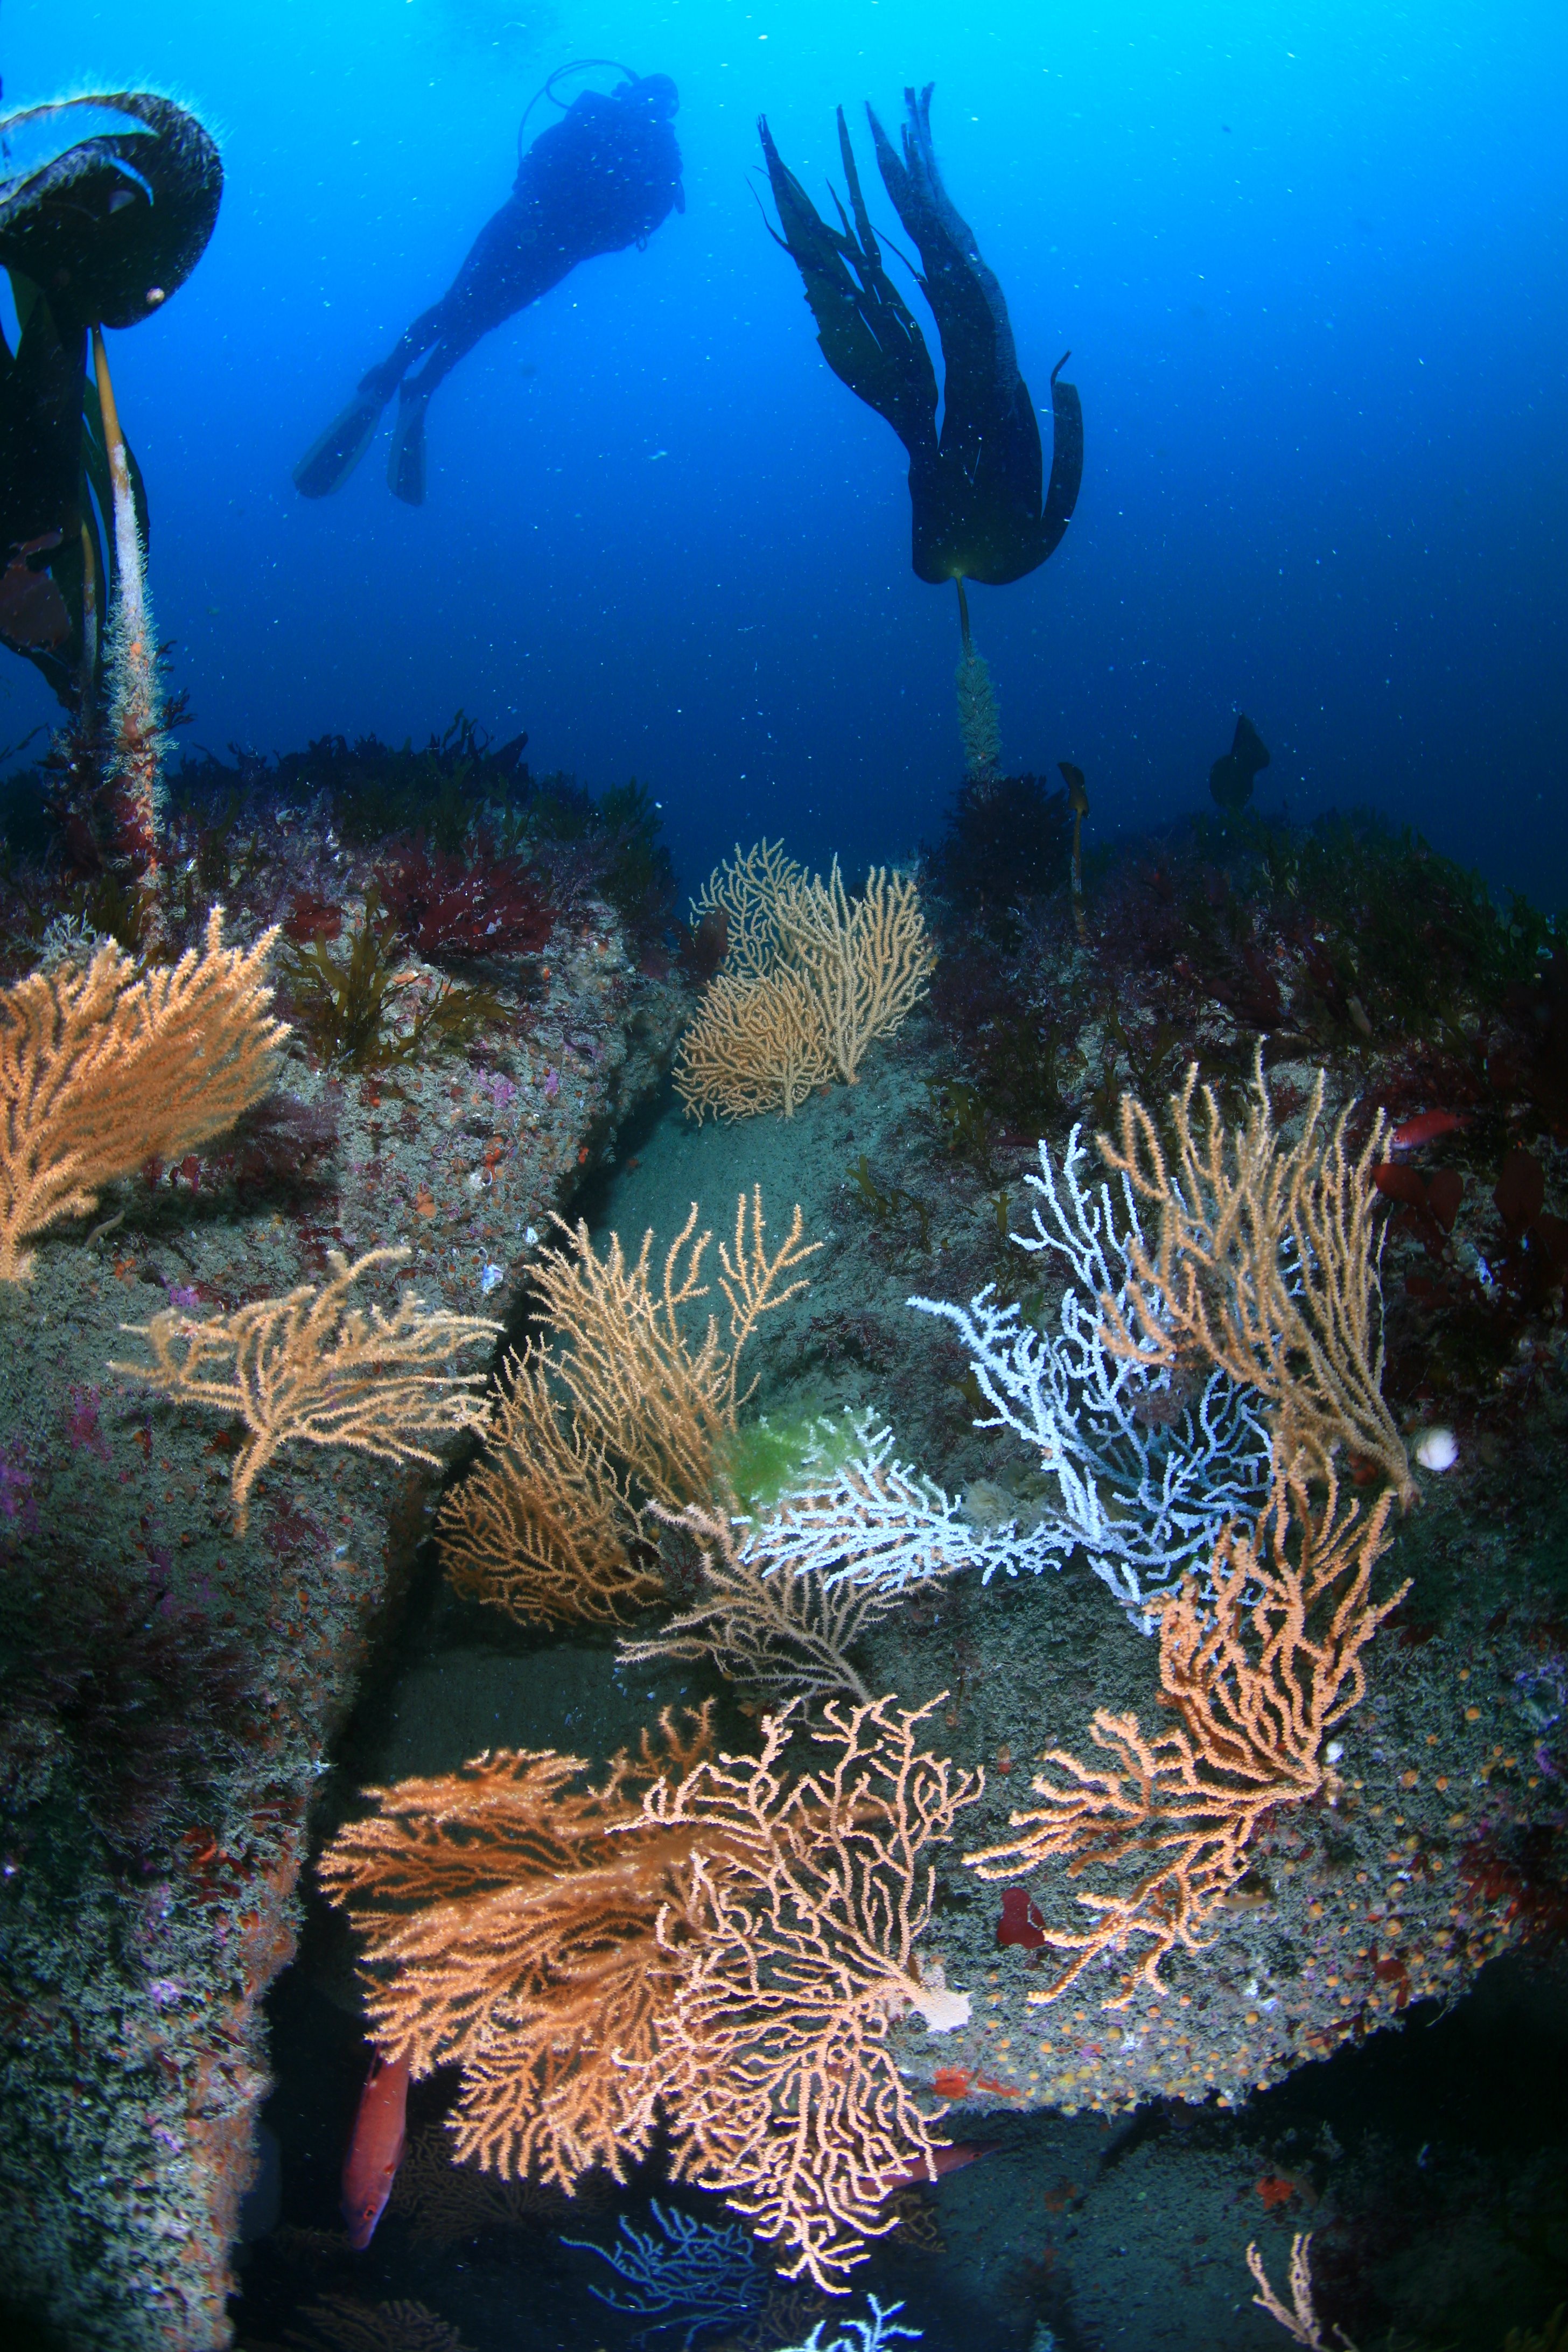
[
  {"x": 405, "y": 465},
  {"x": 328, "y": 462}
]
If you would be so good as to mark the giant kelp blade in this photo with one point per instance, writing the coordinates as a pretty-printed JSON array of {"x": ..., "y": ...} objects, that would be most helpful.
[
  {"x": 114, "y": 222},
  {"x": 867, "y": 332},
  {"x": 40, "y": 423},
  {"x": 977, "y": 499},
  {"x": 966, "y": 299},
  {"x": 54, "y": 489},
  {"x": 976, "y": 513},
  {"x": 1066, "y": 460},
  {"x": 98, "y": 225},
  {"x": 43, "y": 509}
]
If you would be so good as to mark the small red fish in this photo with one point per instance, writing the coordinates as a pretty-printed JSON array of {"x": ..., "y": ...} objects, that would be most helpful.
[
  {"x": 376, "y": 2148},
  {"x": 944, "y": 2160},
  {"x": 1425, "y": 1127}
]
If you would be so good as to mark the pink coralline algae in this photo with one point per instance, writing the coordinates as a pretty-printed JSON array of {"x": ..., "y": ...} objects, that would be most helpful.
[{"x": 83, "y": 1424}]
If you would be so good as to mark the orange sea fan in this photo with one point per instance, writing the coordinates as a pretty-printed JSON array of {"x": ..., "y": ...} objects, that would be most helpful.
[
  {"x": 508, "y": 1919},
  {"x": 796, "y": 1938},
  {"x": 716, "y": 1946},
  {"x": 1257, "y": 1663}
]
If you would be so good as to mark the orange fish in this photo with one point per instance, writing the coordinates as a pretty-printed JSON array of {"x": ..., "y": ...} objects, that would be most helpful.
[{"x": 376, "y": 2148}]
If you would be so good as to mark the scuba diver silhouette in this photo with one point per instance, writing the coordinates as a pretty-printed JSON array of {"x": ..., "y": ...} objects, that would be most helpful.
[{"x": 602, "y": 178}]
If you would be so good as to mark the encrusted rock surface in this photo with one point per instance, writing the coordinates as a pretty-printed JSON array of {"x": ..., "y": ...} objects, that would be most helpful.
[{"x": 132, "y": 1965}]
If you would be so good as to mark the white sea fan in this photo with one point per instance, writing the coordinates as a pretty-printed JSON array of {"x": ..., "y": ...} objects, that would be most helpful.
[
  {"x": 1146, "y": 1474},
  {"x": 860, "y": 2335},
  {"x": 870, "y": 1520}
]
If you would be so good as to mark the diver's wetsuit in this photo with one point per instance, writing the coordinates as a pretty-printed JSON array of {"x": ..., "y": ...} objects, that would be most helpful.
[{"x": 602, "y": 178}]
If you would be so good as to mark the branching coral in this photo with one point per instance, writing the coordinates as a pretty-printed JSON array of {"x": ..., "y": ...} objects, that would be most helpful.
[
  {"x": 782, "y": 1604},
  {"x": 811, "y": 979},
  {"x": 1267, "y": 1263},
  {"x": 1151, "y": 1458},
  {"x": 509, "y": 1925},
  {"x": 873, "y": 2334},
  {"x": 104, "y": 1069},
  {"x": 1257, "y": 1664},
  {"x": 683, "y": 2272},
  {"x": 703, "y": 1943},
  {"x": 861, "y": 1516},
  {"x": 796, "y": 1944},
  {"x": 310, "y": 1366},
  {"x": 618, "y": 1408},
  {"x": 544, "y": 1526},
  {"x": 771, "y": 1626}
]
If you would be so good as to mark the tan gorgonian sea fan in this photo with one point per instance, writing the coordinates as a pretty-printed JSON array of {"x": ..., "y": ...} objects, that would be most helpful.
[
  {"x": 1258, "y": 1661},
  {"x": 712, "y": 1946},
  {"x": 508, "y": 1917},
  {"x": 775, "y": 1635},
  {"x": 808, "y": 1896},
  {"x": 626, "y": 1403},
  {"x": 867, "y": 961},
  {"x": 757, "y": 1045},
  {"x": 103, "y": 1069},
  {"x": 544, "y": 1525},
  {"x": 811, "y": 979},
  {"x": 1267, "y": 1261},
  {"x": 310, "y": 1366},
  {"x": 746, "y": 893}
]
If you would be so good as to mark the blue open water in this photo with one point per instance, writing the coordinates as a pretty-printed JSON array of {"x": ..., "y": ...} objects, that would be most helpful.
[{"x": 1308, "y": 259}]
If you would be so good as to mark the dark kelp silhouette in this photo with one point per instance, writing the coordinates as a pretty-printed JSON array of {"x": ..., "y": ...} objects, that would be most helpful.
[
  {"x": 1231, "y": 779},
  {"x": 97, "y": 233},
  {"x": 982, "y": 509}
]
